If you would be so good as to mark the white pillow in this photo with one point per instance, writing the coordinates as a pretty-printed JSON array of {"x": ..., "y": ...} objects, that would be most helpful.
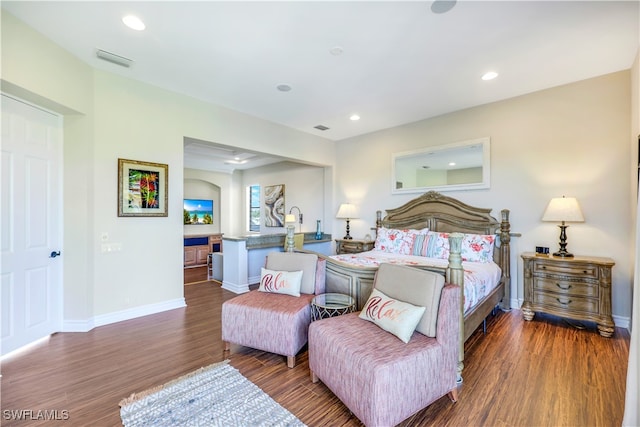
[
  {"x": 280, "y": 282},
  {"x": 394, "y": 316}
]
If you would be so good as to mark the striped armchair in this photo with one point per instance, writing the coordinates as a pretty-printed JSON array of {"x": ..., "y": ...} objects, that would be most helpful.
[
  {"x": 272, "y": 322},
  {"x": 380, "y": 378}
]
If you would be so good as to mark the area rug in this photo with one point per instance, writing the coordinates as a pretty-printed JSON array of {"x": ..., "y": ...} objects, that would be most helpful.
[{"x": 216, "y": 395}]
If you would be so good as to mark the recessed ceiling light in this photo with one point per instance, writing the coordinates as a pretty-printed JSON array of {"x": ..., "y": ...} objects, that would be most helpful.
[
  {"x": 283, "y": 88},
  {"x": 133, "y": 22},
  {"x": 235, "y": 162},
  {"x": 452, "y": 163},
  {"x": 490, "y": 75},
  {"x": 442, "y": 6},
  {"x": 354, "y": 117},
  {"x": 336, "y": 51}
]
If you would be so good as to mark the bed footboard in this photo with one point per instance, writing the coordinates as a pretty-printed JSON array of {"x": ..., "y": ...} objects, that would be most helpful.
[{"x": 350, "y": 280}]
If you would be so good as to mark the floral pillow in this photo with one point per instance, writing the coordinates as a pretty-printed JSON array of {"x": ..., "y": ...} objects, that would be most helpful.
[
  {"x": 280, "y": 282},
  {"x": 394, "y": 241},
  {"x": 478, "y": 247},
  {"x": 394, "y": 316}
]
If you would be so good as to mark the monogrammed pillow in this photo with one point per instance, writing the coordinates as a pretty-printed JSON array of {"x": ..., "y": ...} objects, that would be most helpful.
[
  {"x": 394, "y": 316},
  {"x": 280, "y": 282}
]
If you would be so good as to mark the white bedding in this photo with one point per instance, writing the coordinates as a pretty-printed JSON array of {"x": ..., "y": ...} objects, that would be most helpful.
[{"x": 479, "y": 278}]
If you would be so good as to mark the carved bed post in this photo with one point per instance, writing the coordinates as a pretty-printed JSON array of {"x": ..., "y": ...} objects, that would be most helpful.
[
  {"x": 455, "y": 275},
  {"x": 505, "y": 258}
]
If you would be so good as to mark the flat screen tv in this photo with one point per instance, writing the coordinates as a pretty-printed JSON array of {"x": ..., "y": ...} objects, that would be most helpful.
[{"x": 198, "y": 211}]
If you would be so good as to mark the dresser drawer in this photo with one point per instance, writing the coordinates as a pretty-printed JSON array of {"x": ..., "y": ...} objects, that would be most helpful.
[
  {"x": 351, "y": 246},
  {"x": 573, "y": 269},
  {"x": 566, "y": 302},
  {"x": 565, "y": 287}
]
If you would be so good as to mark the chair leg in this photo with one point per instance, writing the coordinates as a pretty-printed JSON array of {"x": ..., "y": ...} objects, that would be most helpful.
[
  {"x": 453, "y": 394},
  {"x": 314, "y": 377},
  {"x": 291, "y": 361}
]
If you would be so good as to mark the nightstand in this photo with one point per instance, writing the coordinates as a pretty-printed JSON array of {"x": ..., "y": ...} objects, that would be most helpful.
[
  {"x": 577, "y": 288},
  {"x": 353, "y": 246}
]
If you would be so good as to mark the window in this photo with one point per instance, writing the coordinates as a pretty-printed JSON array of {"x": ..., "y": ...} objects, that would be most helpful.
[{"x": 254, "y": 208}]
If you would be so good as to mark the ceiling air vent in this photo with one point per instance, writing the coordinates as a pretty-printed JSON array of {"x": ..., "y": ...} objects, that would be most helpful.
[
  {"x": 321, "y": 127},
  {"x": 113, "y": 58}
]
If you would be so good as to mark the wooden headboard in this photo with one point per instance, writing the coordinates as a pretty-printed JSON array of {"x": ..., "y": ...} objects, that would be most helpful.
[{"x": 441, "y": 213}]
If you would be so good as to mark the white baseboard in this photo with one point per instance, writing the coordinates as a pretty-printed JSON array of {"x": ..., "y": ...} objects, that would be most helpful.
[
  {"x": 619, "y": 321},
  {"x": 119, "y": 316},
  {"x": 78, "y": 325},
  {"x": 234, "y": 287},
  {"x": 622, "y": 322}
]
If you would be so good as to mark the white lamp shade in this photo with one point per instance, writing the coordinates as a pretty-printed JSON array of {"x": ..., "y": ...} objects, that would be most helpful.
[
  {"x": 289, "y": 218},
  {"x": 347, "y": 211},
  {"x": 563, "y": 209}
]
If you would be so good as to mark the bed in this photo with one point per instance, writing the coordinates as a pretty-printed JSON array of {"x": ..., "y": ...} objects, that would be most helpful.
[{"x": 451, "y": 219}]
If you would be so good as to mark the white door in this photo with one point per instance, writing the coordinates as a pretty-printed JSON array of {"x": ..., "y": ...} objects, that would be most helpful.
[{"x": 30, "y": 173}]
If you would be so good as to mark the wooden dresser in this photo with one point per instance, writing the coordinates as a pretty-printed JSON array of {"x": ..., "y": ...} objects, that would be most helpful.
[
  {"x": 577, "y": 288},
  {"x": 353, "y": 246}
]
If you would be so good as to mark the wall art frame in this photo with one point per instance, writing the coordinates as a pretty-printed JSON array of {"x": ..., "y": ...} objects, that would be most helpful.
[
  {"x": 142, "y": 188},
  {"x": 274, "y": 205}
]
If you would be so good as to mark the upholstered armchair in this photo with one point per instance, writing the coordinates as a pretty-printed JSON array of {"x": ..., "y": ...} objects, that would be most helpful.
[
  {"x": 276, "y": 317},
  {"x": 381, "y": 378}
]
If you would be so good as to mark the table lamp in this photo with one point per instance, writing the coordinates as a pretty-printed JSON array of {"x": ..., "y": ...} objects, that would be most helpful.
[
  {"x": 563, "y": 209},
  {"x": 347, "y": 211}
]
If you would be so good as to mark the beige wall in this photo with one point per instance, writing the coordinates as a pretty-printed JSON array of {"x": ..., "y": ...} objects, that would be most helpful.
[
  {"x": 304, "y": 187},
  {"x": 109, "y": 117},
  {"x": 571, "y": 140},
  {"x": 204, "y": 185}
]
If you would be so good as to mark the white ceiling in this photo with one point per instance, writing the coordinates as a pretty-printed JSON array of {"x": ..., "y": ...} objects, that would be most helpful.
[{"x": 400, "y": 62}]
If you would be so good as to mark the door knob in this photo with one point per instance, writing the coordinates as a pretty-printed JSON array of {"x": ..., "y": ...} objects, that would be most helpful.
[{"x": 54, "y": 254}]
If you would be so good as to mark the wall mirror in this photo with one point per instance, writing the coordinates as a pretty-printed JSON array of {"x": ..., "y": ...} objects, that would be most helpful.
[{"x": 463, "y": 165}]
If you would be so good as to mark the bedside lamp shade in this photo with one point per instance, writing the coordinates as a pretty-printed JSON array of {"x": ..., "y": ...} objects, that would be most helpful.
[
  {"x": 347, "y": 211},
  {"x": 563, "y": 209},
  {"x": 289, "y": 218}
]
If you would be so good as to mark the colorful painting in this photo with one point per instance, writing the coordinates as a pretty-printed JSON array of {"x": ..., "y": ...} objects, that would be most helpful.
[
  {"x": 274, "y": 205},
  {"x": 142, "y": 188},
  {"x": 198, "y": 211}
]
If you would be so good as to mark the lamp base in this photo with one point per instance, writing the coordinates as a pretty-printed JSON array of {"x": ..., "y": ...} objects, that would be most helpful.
[
  {"x": 348, "y": 236},
  {"x": 561, "y": 254}
]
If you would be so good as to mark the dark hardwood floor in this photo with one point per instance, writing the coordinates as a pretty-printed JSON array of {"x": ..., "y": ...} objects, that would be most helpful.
[
  {"x": 195, "y": 274},
  {"x": 539, "y": 373}
]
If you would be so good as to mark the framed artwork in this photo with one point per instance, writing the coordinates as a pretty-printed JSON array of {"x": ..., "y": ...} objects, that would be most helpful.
[
  {"x": 142, "y": 188},
  {"x": 198, "y": 211},
  {"x": 274, "y": 205}
]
